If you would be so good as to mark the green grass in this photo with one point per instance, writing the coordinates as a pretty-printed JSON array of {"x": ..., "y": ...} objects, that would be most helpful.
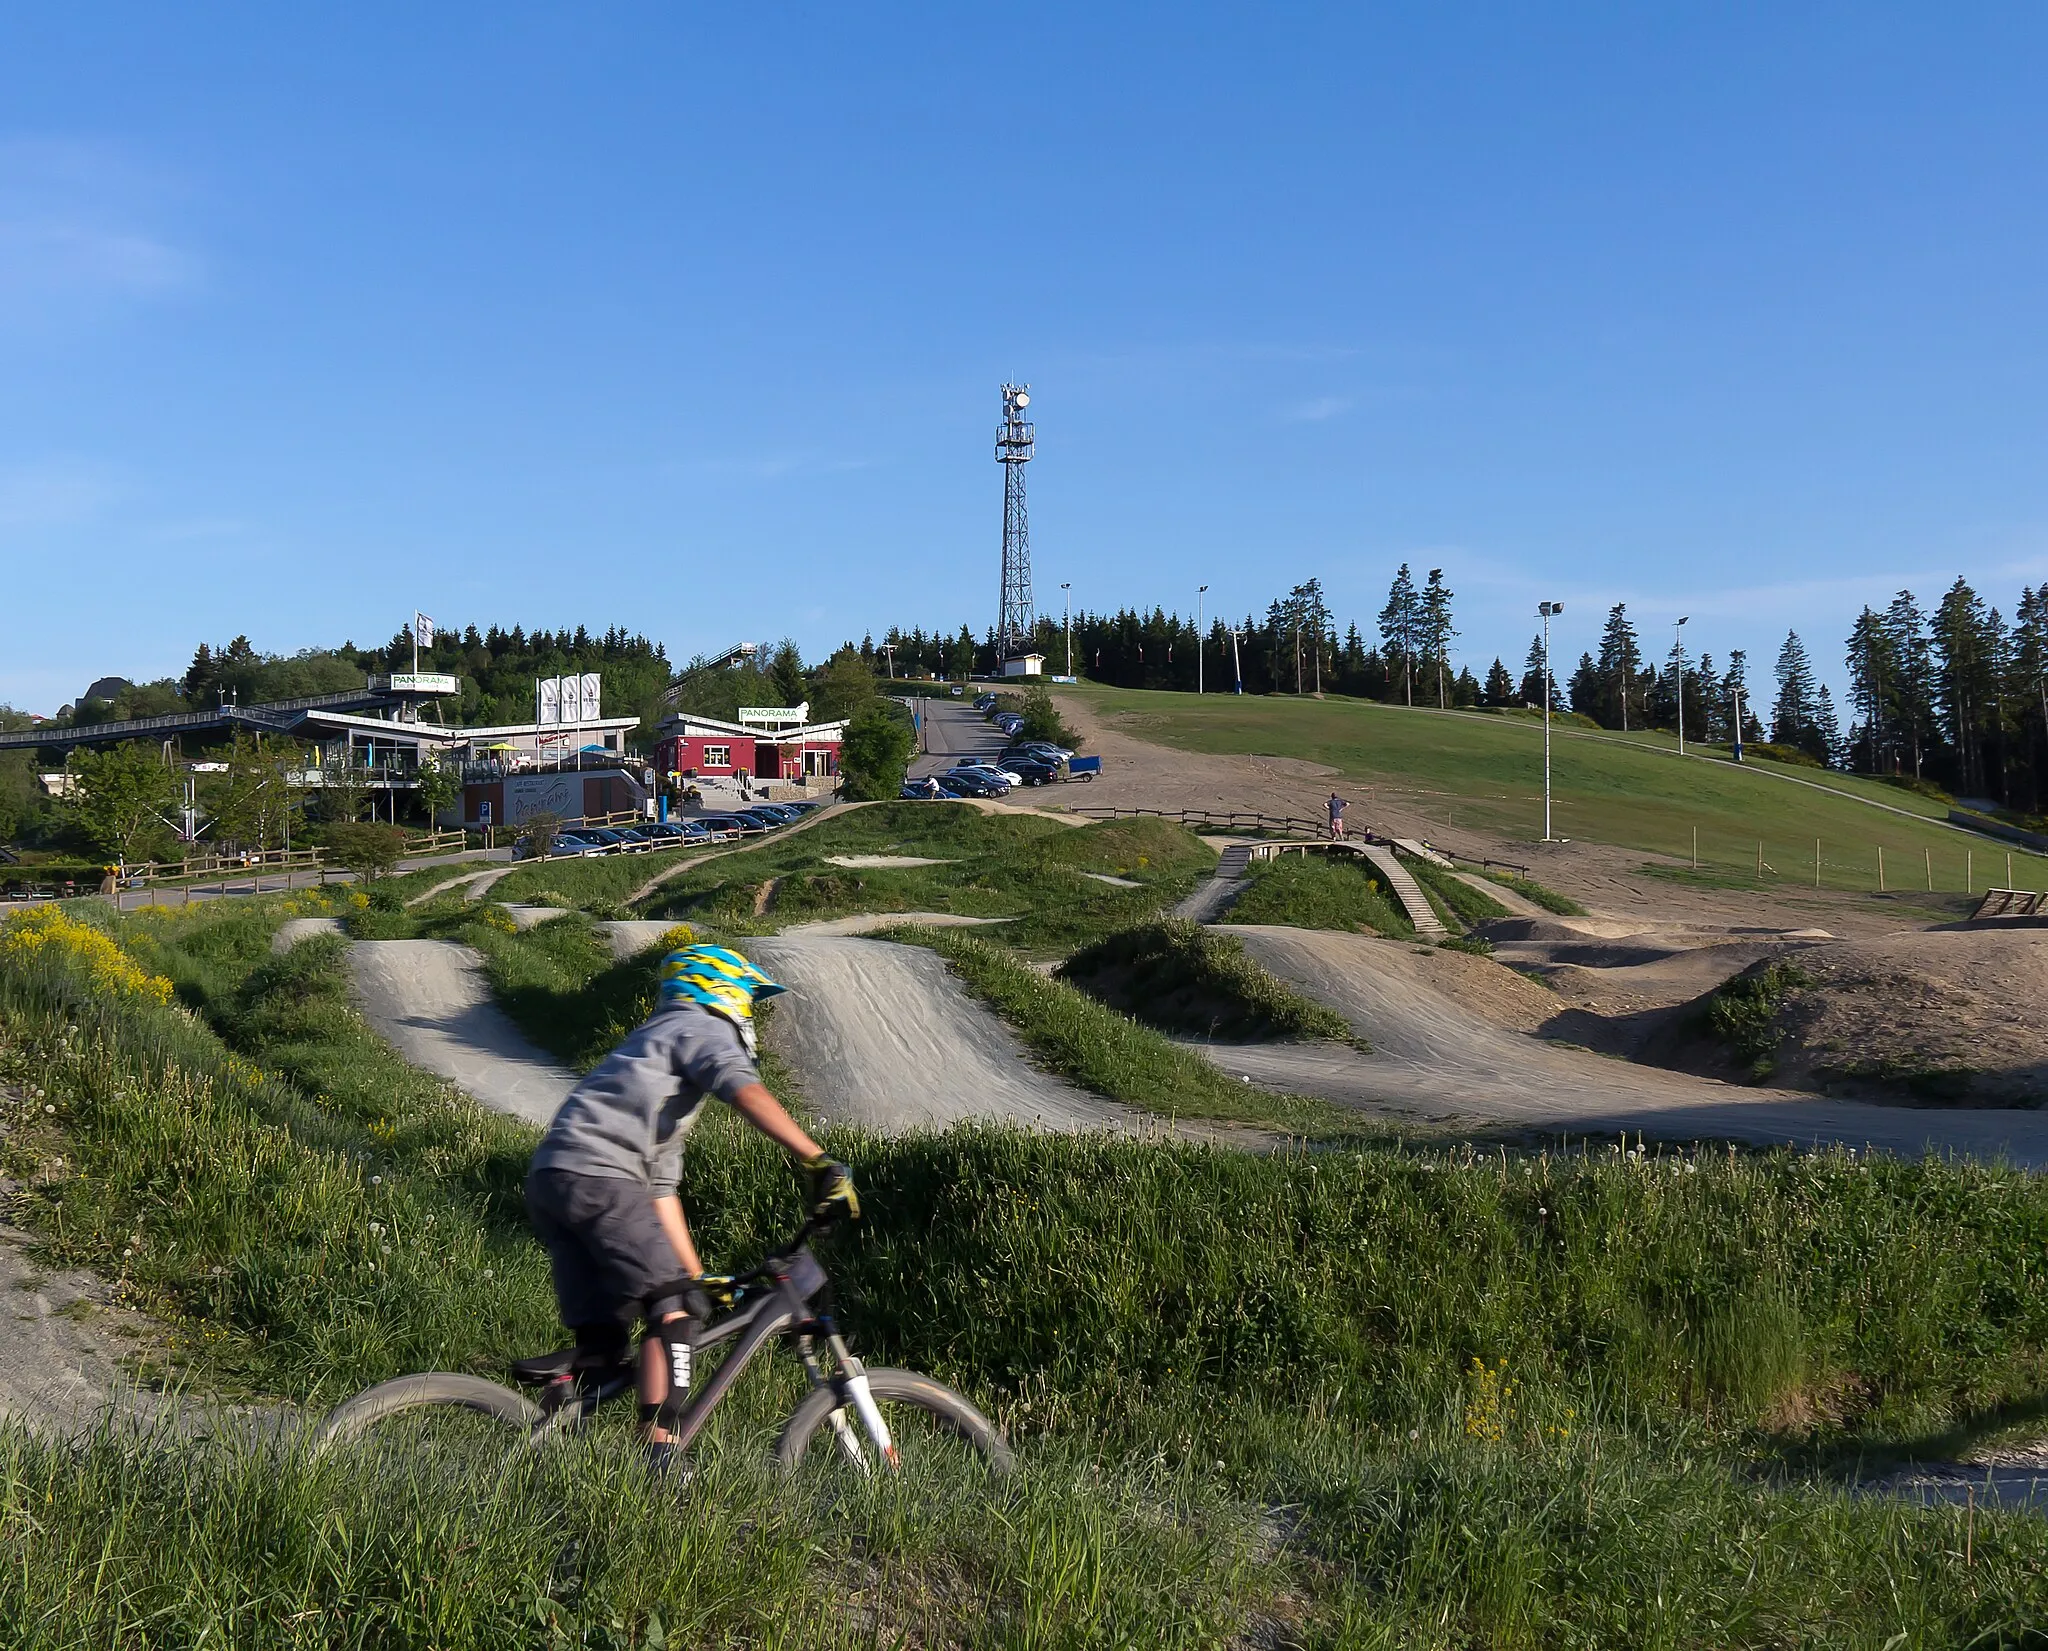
[
  {"x": 1022, "y": 867},
  {"x": 1608, "y": 788},
  {"x": 1743, "y": 1014},
  {"x": 1467, "y": 905},
  {"x": 1177, "y": 976},
  {"x": 1179, "y": 1336},
  {"x": 1314, "y": 891}
]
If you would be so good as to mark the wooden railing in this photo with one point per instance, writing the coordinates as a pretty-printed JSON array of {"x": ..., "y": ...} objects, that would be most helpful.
[{"x": 212, "y": 865}]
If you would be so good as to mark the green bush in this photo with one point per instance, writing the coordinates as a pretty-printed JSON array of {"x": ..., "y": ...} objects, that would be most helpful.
[
  {"x": 1743, "y": 1014},
  {"x": 875, "y": 754}
]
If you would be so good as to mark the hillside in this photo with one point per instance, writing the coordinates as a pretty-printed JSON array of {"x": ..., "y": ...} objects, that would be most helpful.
[{"x": 1475, "y": 781}]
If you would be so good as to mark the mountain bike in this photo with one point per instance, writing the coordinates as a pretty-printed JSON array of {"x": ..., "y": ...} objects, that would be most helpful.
[{"x": 878, "y": 1420}]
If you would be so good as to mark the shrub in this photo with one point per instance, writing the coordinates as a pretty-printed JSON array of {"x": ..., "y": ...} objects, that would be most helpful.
[{"x": 875, "y": 754}]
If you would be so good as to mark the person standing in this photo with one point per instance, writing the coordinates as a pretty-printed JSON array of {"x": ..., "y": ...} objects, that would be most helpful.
[{"x": 1336, "y": 806}]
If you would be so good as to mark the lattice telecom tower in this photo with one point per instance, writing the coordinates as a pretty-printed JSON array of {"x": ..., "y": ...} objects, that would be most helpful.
[{"x": 1019, "y": 613}]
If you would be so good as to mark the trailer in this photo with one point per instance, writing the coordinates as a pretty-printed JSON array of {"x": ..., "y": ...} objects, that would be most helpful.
[{"x": 1083, "y": 768}]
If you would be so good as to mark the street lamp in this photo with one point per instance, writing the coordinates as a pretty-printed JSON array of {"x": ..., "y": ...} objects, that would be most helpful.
[
  {"x": 1546, "y": 609},
  {"x": 1678, "y": 653},
  {"x": 1199, "y": 590},
  {"x": 1067, "y": 598}
]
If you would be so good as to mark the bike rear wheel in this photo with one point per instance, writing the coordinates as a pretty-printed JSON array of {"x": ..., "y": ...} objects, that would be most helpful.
[
  {"x": 436, "y": 1414},
  {"x": 931, "y": 1424}
]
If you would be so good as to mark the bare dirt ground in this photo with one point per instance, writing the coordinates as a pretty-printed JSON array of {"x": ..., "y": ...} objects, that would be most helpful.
[
  {"x": 1947, "y": 1015},
  {"x": 1451, "y": 1048},
  {"x": 1138, "y": 774},
  {"x": 930, "y": 1058},
  {"x": 428, "y": 999}
]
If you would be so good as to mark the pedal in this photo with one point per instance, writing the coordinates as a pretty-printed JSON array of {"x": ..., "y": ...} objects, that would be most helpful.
[{"x": 543, "y": 1368}]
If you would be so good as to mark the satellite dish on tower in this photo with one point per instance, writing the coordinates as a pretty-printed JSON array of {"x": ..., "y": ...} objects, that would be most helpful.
[{"x": 1020, "y": 399}]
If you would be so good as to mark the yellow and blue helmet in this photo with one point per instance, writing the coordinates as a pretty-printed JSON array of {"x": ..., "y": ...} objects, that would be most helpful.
[{"x": 717, "y": 979}]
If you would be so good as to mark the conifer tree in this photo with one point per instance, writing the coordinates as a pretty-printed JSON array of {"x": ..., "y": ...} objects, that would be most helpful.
[{"x": 1401, "y": 628}]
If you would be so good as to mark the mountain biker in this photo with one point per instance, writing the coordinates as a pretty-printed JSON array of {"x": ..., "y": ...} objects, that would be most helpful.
[{"x": 601, "y": 1190}]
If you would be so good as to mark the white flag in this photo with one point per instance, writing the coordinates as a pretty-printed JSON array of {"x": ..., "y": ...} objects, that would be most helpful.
[{"x": 422, "y": 630}]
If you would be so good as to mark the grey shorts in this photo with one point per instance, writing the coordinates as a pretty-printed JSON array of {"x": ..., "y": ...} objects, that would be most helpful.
[{"x": 605, "y": 1243}]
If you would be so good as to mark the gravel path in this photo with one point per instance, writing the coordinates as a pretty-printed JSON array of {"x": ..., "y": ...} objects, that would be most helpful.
[
  {"x": 428, "y": 999},
  {"x": 1433, "y": 1059},
  {"x": 884, "y": 1037}
]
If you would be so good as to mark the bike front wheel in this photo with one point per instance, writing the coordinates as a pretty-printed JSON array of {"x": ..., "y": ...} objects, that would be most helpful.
[
  {"x": 435, "y": 1414},
  {"x": 930, "y": 1424}
]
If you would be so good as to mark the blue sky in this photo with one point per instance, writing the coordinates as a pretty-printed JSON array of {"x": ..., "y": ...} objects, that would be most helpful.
[{"x": 692, "y": 318}]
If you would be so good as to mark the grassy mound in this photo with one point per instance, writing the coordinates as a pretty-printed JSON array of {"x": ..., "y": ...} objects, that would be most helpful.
[
  {"x": 1017, "y": 866},
  {"x": 1310, "y": 891},
  {"x": 1181, "y": 977}
]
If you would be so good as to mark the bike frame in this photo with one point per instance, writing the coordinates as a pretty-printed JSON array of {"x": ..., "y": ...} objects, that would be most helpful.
[{"x": 784, "y": 1307}]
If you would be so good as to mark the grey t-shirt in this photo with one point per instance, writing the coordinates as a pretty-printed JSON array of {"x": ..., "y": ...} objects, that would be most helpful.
[{"x": 627, "y": 1119}]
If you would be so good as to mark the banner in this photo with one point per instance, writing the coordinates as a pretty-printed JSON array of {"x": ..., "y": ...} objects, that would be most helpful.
[
  {"x": 547, "y": 709},
  {"x": 422, "y": 630},
  {"x": 593, "y": 686}
]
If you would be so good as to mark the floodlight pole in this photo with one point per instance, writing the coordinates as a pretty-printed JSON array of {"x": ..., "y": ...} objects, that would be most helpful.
[
  {"x": 1199, "y": 589},
  {"x": 1067, "y": 601},
  {"x": 1546, "y": 609},
  {"x": 1678, "y": 648}
]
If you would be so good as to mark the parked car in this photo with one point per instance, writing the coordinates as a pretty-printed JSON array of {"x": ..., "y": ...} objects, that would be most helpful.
[
  {"x": 1033, "y": 772},
  {"x": 780, "y": 811},
  {"x": 762, "y": 817},
  {"x": 983, "y": 701},
  {"x": 565, "y": 843},
  {"x": 733, "y": 823},
  {"x": 989, "y": 770},
  {"x": 1010, "y": 723},
  {"x": 957, "y": 690},
  {"x": 1038, "y": 748},
  {"x": 972, "y": 785}
]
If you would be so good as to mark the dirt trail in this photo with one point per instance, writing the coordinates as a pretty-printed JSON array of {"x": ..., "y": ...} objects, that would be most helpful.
[
  {"x": 1434, "y": 1059},
  {"x": 62, "y": 1348},
  {"x": 428, "y": 999},
  {"x": 884, "y": 1037}
]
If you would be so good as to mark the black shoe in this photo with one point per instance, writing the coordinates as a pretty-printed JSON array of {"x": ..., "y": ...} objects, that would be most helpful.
[{"x": 668, "y": 1465}]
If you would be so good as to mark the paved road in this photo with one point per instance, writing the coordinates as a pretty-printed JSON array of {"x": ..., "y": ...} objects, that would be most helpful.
[
  {"x": 1434, "y": 1060},
  {"x": 953, "y": 733}
]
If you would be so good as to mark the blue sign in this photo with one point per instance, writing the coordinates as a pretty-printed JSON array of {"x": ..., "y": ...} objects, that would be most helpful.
[{"x": 484, "y": 812}]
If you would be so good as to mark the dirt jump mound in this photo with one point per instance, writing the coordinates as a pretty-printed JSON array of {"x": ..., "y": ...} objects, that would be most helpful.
[{"x": 1946, "y": 1016}]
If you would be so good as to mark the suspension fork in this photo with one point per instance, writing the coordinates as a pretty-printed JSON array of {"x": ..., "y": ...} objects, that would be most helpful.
[{"x": 850, "y": 1385}]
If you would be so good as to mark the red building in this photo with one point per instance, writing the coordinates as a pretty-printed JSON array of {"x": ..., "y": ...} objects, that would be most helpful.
[{"x": 768, "y": 744}]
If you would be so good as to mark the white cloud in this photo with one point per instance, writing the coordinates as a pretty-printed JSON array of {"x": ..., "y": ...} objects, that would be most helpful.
[
  {"x": 52, "y": 493},
  {"x": 1315, "y": 410},
  {"x": 77, "y": 231}
]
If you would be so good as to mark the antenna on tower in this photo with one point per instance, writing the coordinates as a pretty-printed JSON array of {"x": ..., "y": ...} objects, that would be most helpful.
[{"x": 1013, "y": 450}]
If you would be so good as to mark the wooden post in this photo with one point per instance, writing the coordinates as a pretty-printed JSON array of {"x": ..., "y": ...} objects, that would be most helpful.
[
  {"x": 1930, "y": 868},
  {"x": 2008, "y": 868},
  {"x": 1695, "y": 848},
  {"x": 1759, "y": 857},
  {"x": 1816, "y": 862},
  {"x": 1880, "y": 868},
  {"x": 1969, "y": 871}
]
